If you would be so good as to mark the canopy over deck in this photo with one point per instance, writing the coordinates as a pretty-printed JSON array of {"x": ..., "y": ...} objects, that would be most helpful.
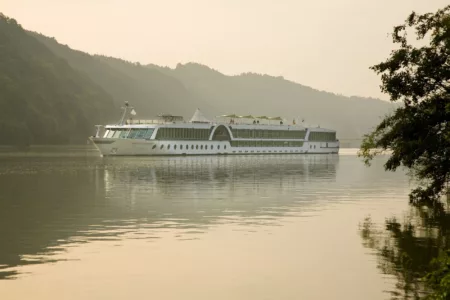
[{"x": 199, "y": 117}]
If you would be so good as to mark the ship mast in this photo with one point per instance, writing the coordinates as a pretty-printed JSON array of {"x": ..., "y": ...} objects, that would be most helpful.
[{"x": 127, "y": 108}]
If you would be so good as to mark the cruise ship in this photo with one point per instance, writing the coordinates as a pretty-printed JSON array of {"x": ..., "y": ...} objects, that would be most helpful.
[{"x": 231, "y": 135}]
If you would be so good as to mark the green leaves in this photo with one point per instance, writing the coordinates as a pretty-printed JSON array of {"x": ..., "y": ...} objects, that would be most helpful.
[{"x": 417, "y": 132}]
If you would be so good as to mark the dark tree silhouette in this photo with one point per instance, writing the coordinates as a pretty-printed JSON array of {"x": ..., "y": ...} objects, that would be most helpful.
[{"x": 418, "y": 132}]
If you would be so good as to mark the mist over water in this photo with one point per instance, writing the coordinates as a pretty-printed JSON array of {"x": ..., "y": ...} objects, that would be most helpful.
[{"x": 74, "y": 225}]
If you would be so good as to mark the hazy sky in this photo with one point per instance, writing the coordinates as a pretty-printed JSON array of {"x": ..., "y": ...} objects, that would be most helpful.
[{"x": 325, "y": 44}]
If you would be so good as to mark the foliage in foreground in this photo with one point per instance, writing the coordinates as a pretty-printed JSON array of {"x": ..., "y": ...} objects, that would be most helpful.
[
  {"x": 418, "y": 132},
  {"x": 418, "y": 136}
]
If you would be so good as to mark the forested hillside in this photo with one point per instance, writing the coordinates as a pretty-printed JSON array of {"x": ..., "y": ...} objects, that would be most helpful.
[
  {"x": 42, "y": 99},
  {"x": 149, "y": 90},
  {"x": 267, "y": 95},
  {"x": 50, "y": 93},
  {"x": 154, "y": 89}
]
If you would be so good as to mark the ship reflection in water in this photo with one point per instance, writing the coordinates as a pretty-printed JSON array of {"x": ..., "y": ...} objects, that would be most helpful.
[
  {"x": 214, "y": 227},
  {"x": 51, "y": 204}
]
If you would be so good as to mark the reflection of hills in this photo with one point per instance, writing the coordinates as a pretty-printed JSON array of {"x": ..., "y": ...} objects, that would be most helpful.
[{"x": 46, "y": 205}]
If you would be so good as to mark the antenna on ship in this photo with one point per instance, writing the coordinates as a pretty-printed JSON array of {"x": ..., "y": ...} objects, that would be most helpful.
[{"x": 126, "y": 108}]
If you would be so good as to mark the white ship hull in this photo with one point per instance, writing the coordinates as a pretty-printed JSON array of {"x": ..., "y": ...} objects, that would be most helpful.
[{"x": 133, "y": 147}]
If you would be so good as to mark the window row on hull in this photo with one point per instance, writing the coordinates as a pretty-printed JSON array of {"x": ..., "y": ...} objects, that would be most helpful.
[
  {"x": 268, "y": 134},
  {"x": 322, "y": 136},
  {"x": 189, "y": 147},
  {"x": 126, "y": 133},
  {"x": 183, "y": 134},
  {"x": 220, "y": 134},
  {"x": 266, "y": 143}
]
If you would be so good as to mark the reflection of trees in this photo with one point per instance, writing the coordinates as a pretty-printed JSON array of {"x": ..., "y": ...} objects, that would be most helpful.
[
  {"x": 408, "y": 249},
  {"x": 46, "y": 205}
]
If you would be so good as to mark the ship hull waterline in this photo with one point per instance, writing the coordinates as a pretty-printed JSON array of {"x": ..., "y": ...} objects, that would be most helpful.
[{"x": 135, "y": 147}]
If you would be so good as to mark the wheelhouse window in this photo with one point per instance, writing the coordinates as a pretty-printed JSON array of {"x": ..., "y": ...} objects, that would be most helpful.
[
  {"x": 132, "y": 133},
  {"x": 124, "y": 133},
  {"x": 148, "y": 133},
  {"x": 116, "y": 134},
  {"x": 110, "y": 134},
  {"x": 140, "y": 133}
]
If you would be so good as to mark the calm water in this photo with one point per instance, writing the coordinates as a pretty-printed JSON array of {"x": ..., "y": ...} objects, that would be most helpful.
[{"x": 77, "y": 226}]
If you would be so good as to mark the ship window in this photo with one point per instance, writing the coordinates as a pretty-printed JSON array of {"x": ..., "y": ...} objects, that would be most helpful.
[
  {"x": 181, "y": 147},
  {"x": 124, "y": 133},
  {"x": 196, "y": 147},
  {"x": 225, "y": 147},
  {"x": 168, "y": 147},
  {"x": 218, "y": 147},
  {"x": 175, "y": 147},
  {"x": 140, "y": 133},
  {"x": 192, "y": 147},
  {"x": 201, "y": 147},
  {"x": 132, "y": 133},
  {"x": 154, "y": 146},
  {"x": 162, "y": 146},
  {"x": 116, "y": 134},
  {"x": 211, "y": 147},
  {"x": 148, "y": 133},
  {"x": 110, "y": 134}
]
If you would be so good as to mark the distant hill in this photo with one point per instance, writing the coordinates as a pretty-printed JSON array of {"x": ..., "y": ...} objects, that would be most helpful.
[
  {"x": 42, "y": 99},
  {"x": 50, "y": 93},
  {"x": 154, "y": 89},
  {"x": 257, "y": 94},
  {"x": 149, "y": 90}
]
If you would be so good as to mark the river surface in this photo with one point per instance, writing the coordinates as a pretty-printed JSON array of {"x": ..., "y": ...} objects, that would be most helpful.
[{"x": 74, "y": 225}]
